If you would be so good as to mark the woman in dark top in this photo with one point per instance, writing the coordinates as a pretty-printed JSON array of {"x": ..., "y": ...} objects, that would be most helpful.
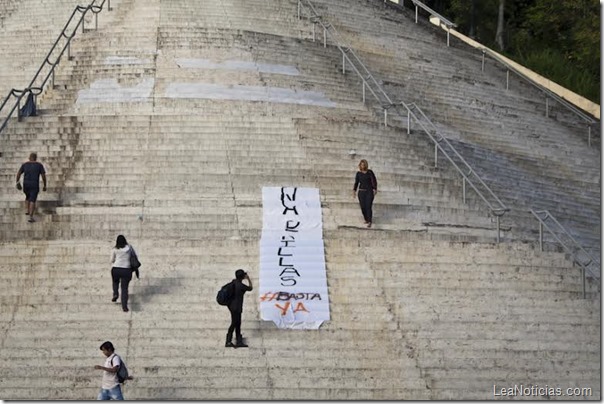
[
  {"x": 366, "y": 183},
  {"x": 236, "y": 308}
]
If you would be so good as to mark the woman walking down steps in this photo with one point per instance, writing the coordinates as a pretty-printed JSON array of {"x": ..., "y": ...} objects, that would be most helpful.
[{"x": 366, "y": 183}]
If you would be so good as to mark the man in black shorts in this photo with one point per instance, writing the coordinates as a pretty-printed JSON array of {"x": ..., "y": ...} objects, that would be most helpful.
[{"x": 32, "y": 171}]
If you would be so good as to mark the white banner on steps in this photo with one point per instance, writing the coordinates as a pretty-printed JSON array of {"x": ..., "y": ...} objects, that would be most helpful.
[{"x": 293, "y": 281}]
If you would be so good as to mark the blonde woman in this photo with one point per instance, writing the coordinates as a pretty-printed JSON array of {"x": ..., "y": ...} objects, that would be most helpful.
[{"x": 366, "y": 183}]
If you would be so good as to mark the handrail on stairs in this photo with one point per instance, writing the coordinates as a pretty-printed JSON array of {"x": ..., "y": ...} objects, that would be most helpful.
[
  {"x": 578, "y": 254},
  {"x": 590, "y": 121},
  {"x": 418, "y": 5},
  {"x": 443, "y": 142},
  {"x": 387, "y": 104},
  {"x": 497, "y": 207},
  {"x": 36, "y": 90}
]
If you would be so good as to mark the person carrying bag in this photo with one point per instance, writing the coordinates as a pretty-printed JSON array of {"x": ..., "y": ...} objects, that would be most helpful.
[{"x": 124, "y": 261}]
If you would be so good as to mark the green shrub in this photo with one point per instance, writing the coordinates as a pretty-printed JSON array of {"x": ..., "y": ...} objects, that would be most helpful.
[{"x": 562, "y": 70}]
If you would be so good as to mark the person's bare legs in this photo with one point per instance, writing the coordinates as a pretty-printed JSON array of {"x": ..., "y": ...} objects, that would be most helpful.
[{"x": 31, "y": 209}]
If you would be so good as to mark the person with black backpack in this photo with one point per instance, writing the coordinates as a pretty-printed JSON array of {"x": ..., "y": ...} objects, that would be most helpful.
[
  {"x": 114, "y": 374},
  {"x": 235, "y": 305}
]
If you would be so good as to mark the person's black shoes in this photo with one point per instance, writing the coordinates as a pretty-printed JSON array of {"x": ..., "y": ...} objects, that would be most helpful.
[
  {"x": 239, "y": 344},
  {"x": 114, "y": 299}
]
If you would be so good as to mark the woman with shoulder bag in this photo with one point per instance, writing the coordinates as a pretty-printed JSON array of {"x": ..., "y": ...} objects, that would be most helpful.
[{"x": 121, "y": 271}]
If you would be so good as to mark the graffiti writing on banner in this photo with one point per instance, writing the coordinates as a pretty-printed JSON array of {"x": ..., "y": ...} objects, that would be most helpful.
[
  {"x": 289, "y": 273},
  {"x": 293, "y": 282},
  {"x": 286, "y": 297}
]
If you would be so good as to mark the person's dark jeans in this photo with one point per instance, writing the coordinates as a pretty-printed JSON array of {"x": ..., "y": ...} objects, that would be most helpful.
[
  {"x": 123, "y": 275},
  {"x": 366, "y": 200},
  {"x": 235, "y": 325}
]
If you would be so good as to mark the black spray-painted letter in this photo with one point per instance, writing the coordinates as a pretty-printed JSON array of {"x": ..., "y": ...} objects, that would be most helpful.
[{"x": 290, "y": 198}]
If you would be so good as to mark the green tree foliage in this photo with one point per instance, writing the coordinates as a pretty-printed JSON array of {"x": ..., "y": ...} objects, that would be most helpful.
[
  {"x": 478, "y": 18},
  {"x": 559, "y": 39}
]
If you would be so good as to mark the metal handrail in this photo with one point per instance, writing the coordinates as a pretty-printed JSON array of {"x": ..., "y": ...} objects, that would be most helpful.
[
  {"x": 37, "y": 90},
  {"x": 498, "y": 211},
  {"x": 574, "y": 249},
  {"x": 386, "y": 103},
  {"x": 418, "y": 5},
  {"x": 549, "y": 93},
  {"x": 493, "y": 55},
  {"x": 366, "y": 76}
]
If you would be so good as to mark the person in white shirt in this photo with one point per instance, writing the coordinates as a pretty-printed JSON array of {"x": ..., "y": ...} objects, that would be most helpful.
[
  {"x": 110, "y": 386},
  {"x": 121, "y": 272}
]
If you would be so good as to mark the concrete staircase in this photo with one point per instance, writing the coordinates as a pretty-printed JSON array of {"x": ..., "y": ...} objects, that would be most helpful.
[
  {"x": 476, "y": 315},
  {"x": 165, "y": 127},
  {"x": 529, "y": 160},
  {"x": 29, "y": 29}
]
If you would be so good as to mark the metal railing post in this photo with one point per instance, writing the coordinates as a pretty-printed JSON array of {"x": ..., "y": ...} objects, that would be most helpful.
[
  {"x": 314, "y": 36},
  {"x": 299, "y": 7},
  {"x": 464, "y": 189},
  {"x": 343, "y": 63},
  {"x": 483, "y": 53},
  {"x": 546, "y": 106},
  {"x": 583, "y": 276},
  {"x": 324, "y": 37},
  {"x": 589, "y": 135},
  {"x": 540, "y": 236},
  {"x": 507, "y": 79},
  {"x": 498, "y": 228},
  {"x": 416, "y": 13},
  {"x": 385, "y": 118},
  {"x": 435, "y": 155},
  {"x": 448, "y": 34},
  {"x": 363, "y": 91},
  {"x": 408, "y": 122}
]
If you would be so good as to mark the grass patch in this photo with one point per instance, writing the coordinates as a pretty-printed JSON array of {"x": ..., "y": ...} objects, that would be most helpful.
[{"x": 561, "y": 70}]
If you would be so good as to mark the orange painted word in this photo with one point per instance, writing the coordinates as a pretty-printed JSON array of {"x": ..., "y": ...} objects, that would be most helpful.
[{"x": 299, "y": 307}]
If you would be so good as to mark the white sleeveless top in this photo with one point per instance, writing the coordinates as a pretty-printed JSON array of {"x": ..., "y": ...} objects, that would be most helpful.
[{"x": 120, "y": 257}]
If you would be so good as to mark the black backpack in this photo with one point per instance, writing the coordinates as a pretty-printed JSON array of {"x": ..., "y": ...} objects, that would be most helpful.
[
  {"x": 122, "y": 371},
  {"x": 225, "y": 294}
]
